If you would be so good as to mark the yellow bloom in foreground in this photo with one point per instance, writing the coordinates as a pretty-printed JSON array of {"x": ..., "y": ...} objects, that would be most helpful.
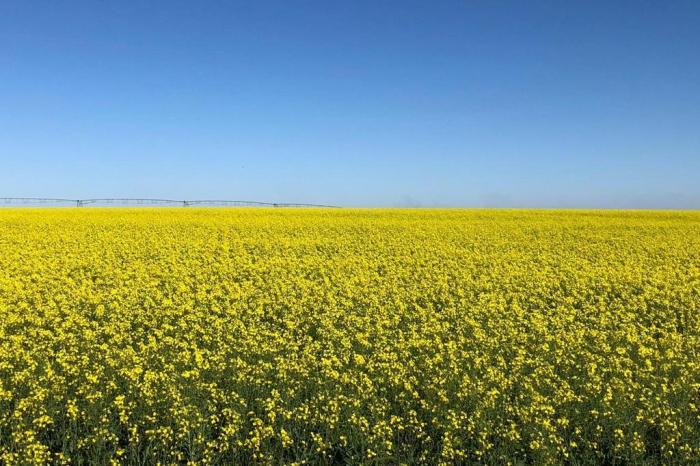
[{"x": 312, "y": 336}]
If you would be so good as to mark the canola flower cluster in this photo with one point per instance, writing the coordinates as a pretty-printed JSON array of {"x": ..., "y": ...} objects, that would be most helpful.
[{"x": 273, "y": 336}]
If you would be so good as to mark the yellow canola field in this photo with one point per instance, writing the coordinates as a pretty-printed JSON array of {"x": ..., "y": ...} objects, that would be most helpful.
[{"x": 341, "y": 336}]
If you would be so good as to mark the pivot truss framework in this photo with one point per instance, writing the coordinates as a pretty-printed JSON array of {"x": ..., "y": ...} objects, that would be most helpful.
[{"x": 151, "y": 202}]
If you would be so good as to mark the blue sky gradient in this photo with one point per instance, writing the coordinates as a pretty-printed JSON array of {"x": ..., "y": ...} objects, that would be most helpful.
[{"x": 367, "y": 103}]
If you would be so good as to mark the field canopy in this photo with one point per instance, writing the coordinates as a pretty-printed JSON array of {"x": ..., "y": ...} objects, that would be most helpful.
[{"x": 349, "y": 336}]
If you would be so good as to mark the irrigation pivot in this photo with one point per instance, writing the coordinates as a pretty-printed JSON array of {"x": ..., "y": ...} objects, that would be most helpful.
[{"x": 129, "y": 201}]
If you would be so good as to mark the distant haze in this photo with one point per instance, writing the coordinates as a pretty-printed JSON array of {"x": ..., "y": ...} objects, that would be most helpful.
[{"x": 390, "y": 103}]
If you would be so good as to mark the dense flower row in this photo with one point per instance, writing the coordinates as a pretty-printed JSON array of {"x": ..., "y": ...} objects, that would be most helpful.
[{"x": 349, "y": 336}]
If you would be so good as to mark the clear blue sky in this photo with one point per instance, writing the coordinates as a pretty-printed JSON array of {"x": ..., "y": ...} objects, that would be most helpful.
[{"x": 449, "y": 103}]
